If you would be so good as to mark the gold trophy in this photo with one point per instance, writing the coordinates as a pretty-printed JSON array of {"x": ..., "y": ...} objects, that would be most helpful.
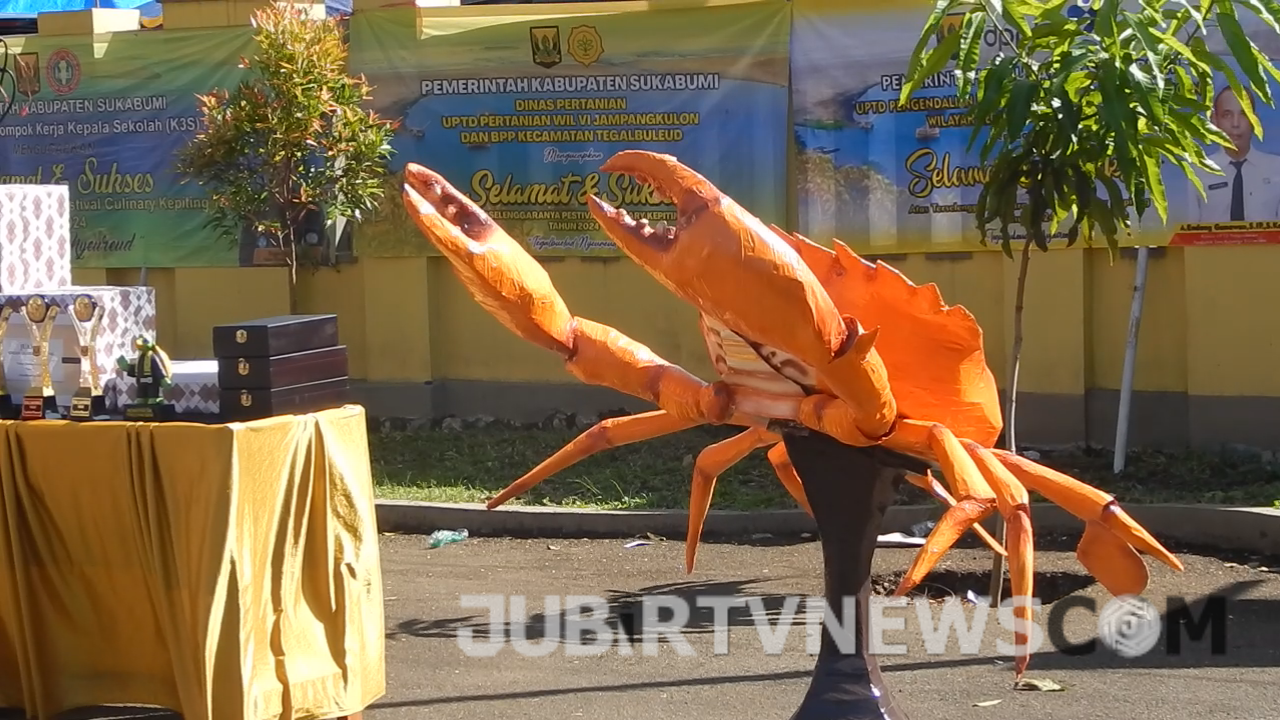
[
  {"x": 88, "y": 403},
  {"x": 8, "y": 410},
  {"x": 41, "y": 401}
]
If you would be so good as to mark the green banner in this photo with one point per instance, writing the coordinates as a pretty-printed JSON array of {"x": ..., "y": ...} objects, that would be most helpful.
[
  {"x": 518, "y": 107},
  {"x": 106, "y": 115}
]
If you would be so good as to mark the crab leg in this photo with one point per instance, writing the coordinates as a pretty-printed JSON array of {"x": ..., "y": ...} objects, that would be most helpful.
[
  {"x": 976, "y": 500},
  {"x": 516, "y": 290},
  {"x": 930, "y": 484},
  {"x": 1099, "y": 551},
  {"x": 786, "y": 472},
  {"x": 1015, "y": 507},
  {"x": 712, "y": 461},
  {"x": 605, "y": 434}
]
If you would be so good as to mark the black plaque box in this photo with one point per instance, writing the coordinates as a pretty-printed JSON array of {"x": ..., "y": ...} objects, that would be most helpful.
[
  {"x": 280, "y": 335},
  {"x": 244, "y": 405},
  {"x": 267, "y": 373},
  {"x": 289, "y": 364}
]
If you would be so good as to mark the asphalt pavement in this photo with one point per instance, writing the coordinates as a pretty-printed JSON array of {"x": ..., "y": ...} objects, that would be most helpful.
[
  {"x": 431, "y": 676},
  {"x": 742, "y": 666}
]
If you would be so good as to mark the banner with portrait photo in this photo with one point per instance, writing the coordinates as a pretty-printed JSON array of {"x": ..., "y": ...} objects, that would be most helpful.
[
  {"x": 1241, "y": 205},
  {"x": 886, "y": 178},
  {"x": 518, "y": 107}
]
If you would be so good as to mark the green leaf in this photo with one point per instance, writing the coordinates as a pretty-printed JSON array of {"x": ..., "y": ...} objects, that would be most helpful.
[
  {"x": 1243, "y": 50},
  {"x": 991, "y": 91},
  {"x": 1268, "y": 10},
  {"x": 1264, "y": 13},
  {"x": 1114, "y": 107},
  {"x": 1179, "y": 47},
  {"x": 1194, "y": 12},
  {"x": 1151, "y": 47},
  {"x": 1021, "y": 96},
  {"x": 1155, "y": 185},
  {"x": 932, "y": 64},
  {"x": 1104, "y": 26},
  {"x": 1015, "y": 13},
  {"x": 970, "y": 51},
  {"x": 1202, "y": 52},
  {"x": 913, "y": 77}
]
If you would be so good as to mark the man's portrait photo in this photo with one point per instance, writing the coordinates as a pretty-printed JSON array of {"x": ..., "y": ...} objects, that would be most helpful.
[{"x": 1249, "y": 188}]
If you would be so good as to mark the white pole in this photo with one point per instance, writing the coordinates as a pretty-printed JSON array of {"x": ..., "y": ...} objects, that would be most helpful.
[{"x": 1130, "y": 350}]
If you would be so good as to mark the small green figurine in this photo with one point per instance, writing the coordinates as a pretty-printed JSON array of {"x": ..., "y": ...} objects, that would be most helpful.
[{"x": 152, "y": 373}]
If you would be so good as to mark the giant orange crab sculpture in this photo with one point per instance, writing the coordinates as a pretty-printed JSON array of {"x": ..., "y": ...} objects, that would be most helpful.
[{"x": 798, "y": 333}]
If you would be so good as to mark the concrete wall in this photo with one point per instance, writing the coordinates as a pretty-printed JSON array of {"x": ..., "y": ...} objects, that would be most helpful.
[{"x": 1205, "y": 365}]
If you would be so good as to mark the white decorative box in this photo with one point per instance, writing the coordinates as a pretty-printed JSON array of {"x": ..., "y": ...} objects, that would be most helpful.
[
  {"x": 126, "y": 312},
  {"x": 35, "y": 237},
  {"x": 194, "y": 390}
]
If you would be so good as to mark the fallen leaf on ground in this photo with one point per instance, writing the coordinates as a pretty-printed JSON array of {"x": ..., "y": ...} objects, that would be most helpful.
[
  {"x": 1039, "y": 684},
  {"x": 987, "y": 703}
]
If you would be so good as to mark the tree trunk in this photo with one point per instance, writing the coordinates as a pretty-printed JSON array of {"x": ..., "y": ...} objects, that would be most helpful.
[
  {"x": 1015, "y": 353},
  {"x": 849, "y": 489},
  {"x": 1010, "y": 415}
]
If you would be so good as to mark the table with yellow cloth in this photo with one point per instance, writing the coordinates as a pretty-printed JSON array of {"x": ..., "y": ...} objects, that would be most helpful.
[{"x": 225, "y": 572}]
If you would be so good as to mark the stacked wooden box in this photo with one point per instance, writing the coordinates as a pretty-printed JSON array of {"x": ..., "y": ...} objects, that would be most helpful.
[{"x": 285, "y": 365}]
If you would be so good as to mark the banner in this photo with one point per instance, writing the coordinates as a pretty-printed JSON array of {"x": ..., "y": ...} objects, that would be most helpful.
[
  {"x": 1241, "y": 205},
  {"x": 519, "y": 106},
  {"x": 886, "y": 178},
  {"x": 106, "y": 115}
]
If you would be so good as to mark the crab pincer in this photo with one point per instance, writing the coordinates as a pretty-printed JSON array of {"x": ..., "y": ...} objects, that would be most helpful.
[
  {"x": 515, "y": 289},
  {"x": 715, "y": 251}
]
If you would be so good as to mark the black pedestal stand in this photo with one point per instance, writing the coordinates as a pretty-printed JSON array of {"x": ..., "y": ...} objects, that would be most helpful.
[{"x": 849, "y": 490}]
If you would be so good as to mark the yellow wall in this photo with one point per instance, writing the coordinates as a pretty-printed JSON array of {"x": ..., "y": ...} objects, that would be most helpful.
[{"x": 1206, "y": 330}]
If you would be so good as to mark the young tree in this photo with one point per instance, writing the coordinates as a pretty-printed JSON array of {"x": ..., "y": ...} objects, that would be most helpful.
[
  {"x": 1085, "y": 110},
  {"x": 292, "y": 139}
]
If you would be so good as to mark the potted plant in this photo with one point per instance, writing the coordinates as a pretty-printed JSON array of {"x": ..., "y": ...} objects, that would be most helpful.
[{"x": 291, "y": 144}]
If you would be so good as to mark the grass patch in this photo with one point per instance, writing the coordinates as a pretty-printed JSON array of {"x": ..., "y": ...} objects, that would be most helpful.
[{"x": 474, "y": 464}]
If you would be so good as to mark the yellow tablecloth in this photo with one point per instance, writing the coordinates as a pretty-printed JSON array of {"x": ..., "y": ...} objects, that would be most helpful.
[{"x": 226, "y": 572}]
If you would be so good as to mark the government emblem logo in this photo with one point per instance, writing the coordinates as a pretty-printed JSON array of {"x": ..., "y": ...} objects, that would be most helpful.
[
  {"x": 585, "y": 44},
  {"x": 63, "y": 71},
  {"x": 545, "y": 43},
  {"x": 26, "y": 73}
]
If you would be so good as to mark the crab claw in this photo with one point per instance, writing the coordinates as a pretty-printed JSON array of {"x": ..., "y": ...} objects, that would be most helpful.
[
  {"x": 508, "y": 282},
  {"x": 786, "y": 308},
  {"x": 495, "y": 269},
  {"x": 715, "y": 250}
]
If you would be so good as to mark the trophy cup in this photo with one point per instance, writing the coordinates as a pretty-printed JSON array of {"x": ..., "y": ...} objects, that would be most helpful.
[
  {"x": 88, "y": 403},
  {"x": 41, "y": 401},
  {"x": 8, "y": 410}
]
